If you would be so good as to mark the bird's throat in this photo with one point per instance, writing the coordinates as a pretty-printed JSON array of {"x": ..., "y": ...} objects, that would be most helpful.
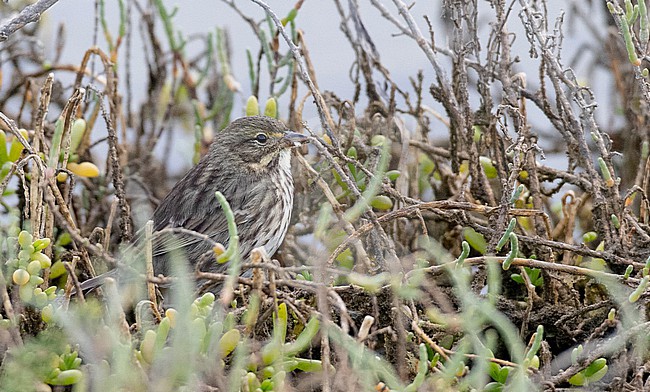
[{"x": 282, "y": 160}]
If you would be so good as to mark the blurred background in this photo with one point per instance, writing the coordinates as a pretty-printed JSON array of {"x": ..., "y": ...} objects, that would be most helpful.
[{"x": 330, "y": 51}]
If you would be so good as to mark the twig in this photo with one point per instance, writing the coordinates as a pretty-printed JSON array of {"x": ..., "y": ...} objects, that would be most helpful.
[
  {"x": 608, "y": 348},
  {"x": 295, "y": 51},
  {"x": 73, "y": 276},
  {"x": 9, "y": 310},
  {"x": 570, "y": 269},
  {"x": 151, "y": 289},
  {"x": 29, "y": 14}
]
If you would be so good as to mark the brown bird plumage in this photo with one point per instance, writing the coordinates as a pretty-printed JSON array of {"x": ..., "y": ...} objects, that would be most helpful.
[{"x": 249, "y": 162}]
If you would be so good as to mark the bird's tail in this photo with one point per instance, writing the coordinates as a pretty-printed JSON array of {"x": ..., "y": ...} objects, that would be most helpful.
[{"x": 99, "y": 280}]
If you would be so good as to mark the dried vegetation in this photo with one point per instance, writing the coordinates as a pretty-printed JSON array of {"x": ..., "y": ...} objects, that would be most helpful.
[{"x": 414, "y": 262}]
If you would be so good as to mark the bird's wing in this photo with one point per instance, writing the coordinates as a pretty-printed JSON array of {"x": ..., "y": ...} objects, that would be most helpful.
[{"x": 193, "y": 206}]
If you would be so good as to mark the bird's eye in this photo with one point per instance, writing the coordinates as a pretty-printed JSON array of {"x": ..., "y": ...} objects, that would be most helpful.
[{"x": 261, "y": 138}]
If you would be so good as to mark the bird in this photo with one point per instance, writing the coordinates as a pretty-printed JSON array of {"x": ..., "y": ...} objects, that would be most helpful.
[{"x": 249, "y": 162}]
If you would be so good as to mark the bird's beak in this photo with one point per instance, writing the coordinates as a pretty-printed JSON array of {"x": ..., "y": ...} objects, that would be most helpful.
[{"x": 293, "y": 139}]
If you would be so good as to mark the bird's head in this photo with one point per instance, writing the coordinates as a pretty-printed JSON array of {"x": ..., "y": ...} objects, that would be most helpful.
[{"x": 258, "y": 142}]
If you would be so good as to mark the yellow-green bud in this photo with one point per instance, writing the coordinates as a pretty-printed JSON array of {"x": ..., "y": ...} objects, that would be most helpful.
[
  {"x": 67, "y": 377},
  {"x": 41, "y": 244},
  {"x": 171, "y": 315},
  {"x": 47, "y": 313},
  {"x": 228, "y": 342},
  {"x": 147, "y": 346},
  {"x": 77, "y": 133},
  {"x": 26, "y": 292},
  {"x": 43, "y": 259},
  {"x": 34, "y": 267},
  {"x": 381, "y": 202},
  {"x": 25, "y": 239},
  {"x": 271, "y": 108},
  {"x": 252, "y": 106},
  {"x": 21, "y": 277}
]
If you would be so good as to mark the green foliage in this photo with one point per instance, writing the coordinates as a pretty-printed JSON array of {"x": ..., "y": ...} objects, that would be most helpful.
[
  {"x": 537, "y": 338},
  {"x": 26, "y": 268},
  {"x": 636, "y": 294},
  {"x": 210, "y": 336},
  {"x": 615, "y": 222},
  {"x": 607, "y": 175},
  {"x": 368, "y": 187},
  {"x": 44, "y": 359},
  {"x": 67, "y": 370},
  {"x": 534, "y": 274},
  {"x": 506, "y": 235},
  {"x": 10, "y": 155},
  {"x": 436, "y": 321},
  {"x": 371, "y": 284},
  {"x": 233, "y": 244},
  {"x": 517, "y": 192},
  {"x": 174, "y": 37},
  {"x": 589, "y": 236},
  {"x": 423, "y": 367},
  {"x": 595, "y": 371},
  {"x": 628, "y": 272},
  {"x": 625, "y": 21},
  {"x": 463, "y": 254},
  {"x": 514, "y": 251},
  {"x": 488, "y": 167},
  {"x": 271, "y": 108},
  {"x": 426, "y": 168},
  {"x": 500, "y": 375},
  {"x": 113, "y": 44},
  {"x": 15, "y": 148},
  {"x": 476, "y": 240},
  {"x": 381, "y": 202},
  {"x": 252, "y": 106}
]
